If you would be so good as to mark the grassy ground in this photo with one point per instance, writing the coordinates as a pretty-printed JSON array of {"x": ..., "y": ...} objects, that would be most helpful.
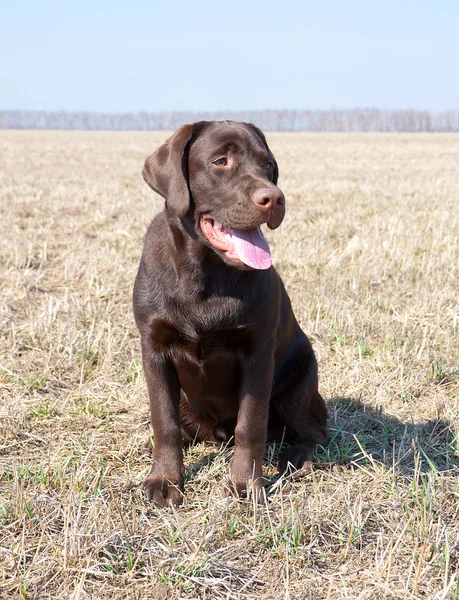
[{"x": 369, "y": 253}]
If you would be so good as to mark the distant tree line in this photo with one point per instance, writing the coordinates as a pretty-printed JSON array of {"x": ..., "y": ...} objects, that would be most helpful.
[{"x": 269, "y": 120}]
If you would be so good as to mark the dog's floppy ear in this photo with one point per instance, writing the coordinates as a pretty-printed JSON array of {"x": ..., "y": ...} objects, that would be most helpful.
[
  {"x": 166, "y": 171},
  {"x": 260, "y": 134}
]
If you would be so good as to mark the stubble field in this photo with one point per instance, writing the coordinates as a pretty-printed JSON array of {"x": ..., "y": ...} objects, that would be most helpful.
[{"x": 369, "y": 253}]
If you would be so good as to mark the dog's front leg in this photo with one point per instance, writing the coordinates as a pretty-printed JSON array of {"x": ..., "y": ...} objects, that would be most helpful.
[
  {"x": 245, "y": 471},
  {"x": 163, "y": 485}
]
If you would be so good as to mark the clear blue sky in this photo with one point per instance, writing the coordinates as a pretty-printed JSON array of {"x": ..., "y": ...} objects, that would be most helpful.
[{"x": 169, "y": 55}]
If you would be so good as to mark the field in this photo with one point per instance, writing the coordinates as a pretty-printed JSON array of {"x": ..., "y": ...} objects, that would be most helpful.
[{"x": 369, "y": 253}]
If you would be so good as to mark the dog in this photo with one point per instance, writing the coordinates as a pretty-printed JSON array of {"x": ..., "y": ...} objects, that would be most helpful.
[{"x": 223, "y": 355}]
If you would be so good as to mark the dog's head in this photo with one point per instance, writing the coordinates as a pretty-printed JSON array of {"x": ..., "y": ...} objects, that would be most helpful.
[{"x": 223, "y": 177}]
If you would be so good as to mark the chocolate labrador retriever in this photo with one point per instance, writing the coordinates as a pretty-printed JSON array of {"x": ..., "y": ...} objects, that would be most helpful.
[{"x": 223, "y": 355}]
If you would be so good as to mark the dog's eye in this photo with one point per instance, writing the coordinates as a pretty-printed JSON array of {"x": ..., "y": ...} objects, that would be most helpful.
[
  {"x": 268, "y": 165},
  {"x": 220, "y": 162}
]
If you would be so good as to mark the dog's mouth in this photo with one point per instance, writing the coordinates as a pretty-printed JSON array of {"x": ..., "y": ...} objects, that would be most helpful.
[{"x": 248, "y": 247}]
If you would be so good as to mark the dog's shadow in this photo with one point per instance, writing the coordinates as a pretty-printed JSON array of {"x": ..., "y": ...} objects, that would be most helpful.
[{"x": 361, "y": 435}]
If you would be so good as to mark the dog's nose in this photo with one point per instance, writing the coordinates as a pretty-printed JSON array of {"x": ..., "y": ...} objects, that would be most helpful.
[{"x": 267, "y": 199}]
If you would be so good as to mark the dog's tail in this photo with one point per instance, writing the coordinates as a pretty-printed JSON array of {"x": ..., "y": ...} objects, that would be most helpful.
[{"x": 220, "y": 434}]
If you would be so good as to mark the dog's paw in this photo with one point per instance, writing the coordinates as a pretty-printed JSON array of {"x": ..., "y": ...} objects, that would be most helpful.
[
  {"x": 163, "y": 490},
  {"x": 296, "y": 460},
  {"x": 244, "y": 483}
]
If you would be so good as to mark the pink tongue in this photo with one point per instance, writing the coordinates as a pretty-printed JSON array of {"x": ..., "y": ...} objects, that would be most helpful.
[{"x": 250, "y": 247}]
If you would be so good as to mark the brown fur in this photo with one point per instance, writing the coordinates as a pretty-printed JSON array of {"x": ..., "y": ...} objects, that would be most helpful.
[{"x": 223, "y": 355}]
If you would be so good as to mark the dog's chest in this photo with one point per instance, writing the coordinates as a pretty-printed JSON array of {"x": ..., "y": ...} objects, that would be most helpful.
[{"x": 199, "y": 335}]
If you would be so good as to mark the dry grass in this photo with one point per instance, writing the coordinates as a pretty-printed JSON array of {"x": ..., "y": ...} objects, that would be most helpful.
[{"x": 370, "y": 255}]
